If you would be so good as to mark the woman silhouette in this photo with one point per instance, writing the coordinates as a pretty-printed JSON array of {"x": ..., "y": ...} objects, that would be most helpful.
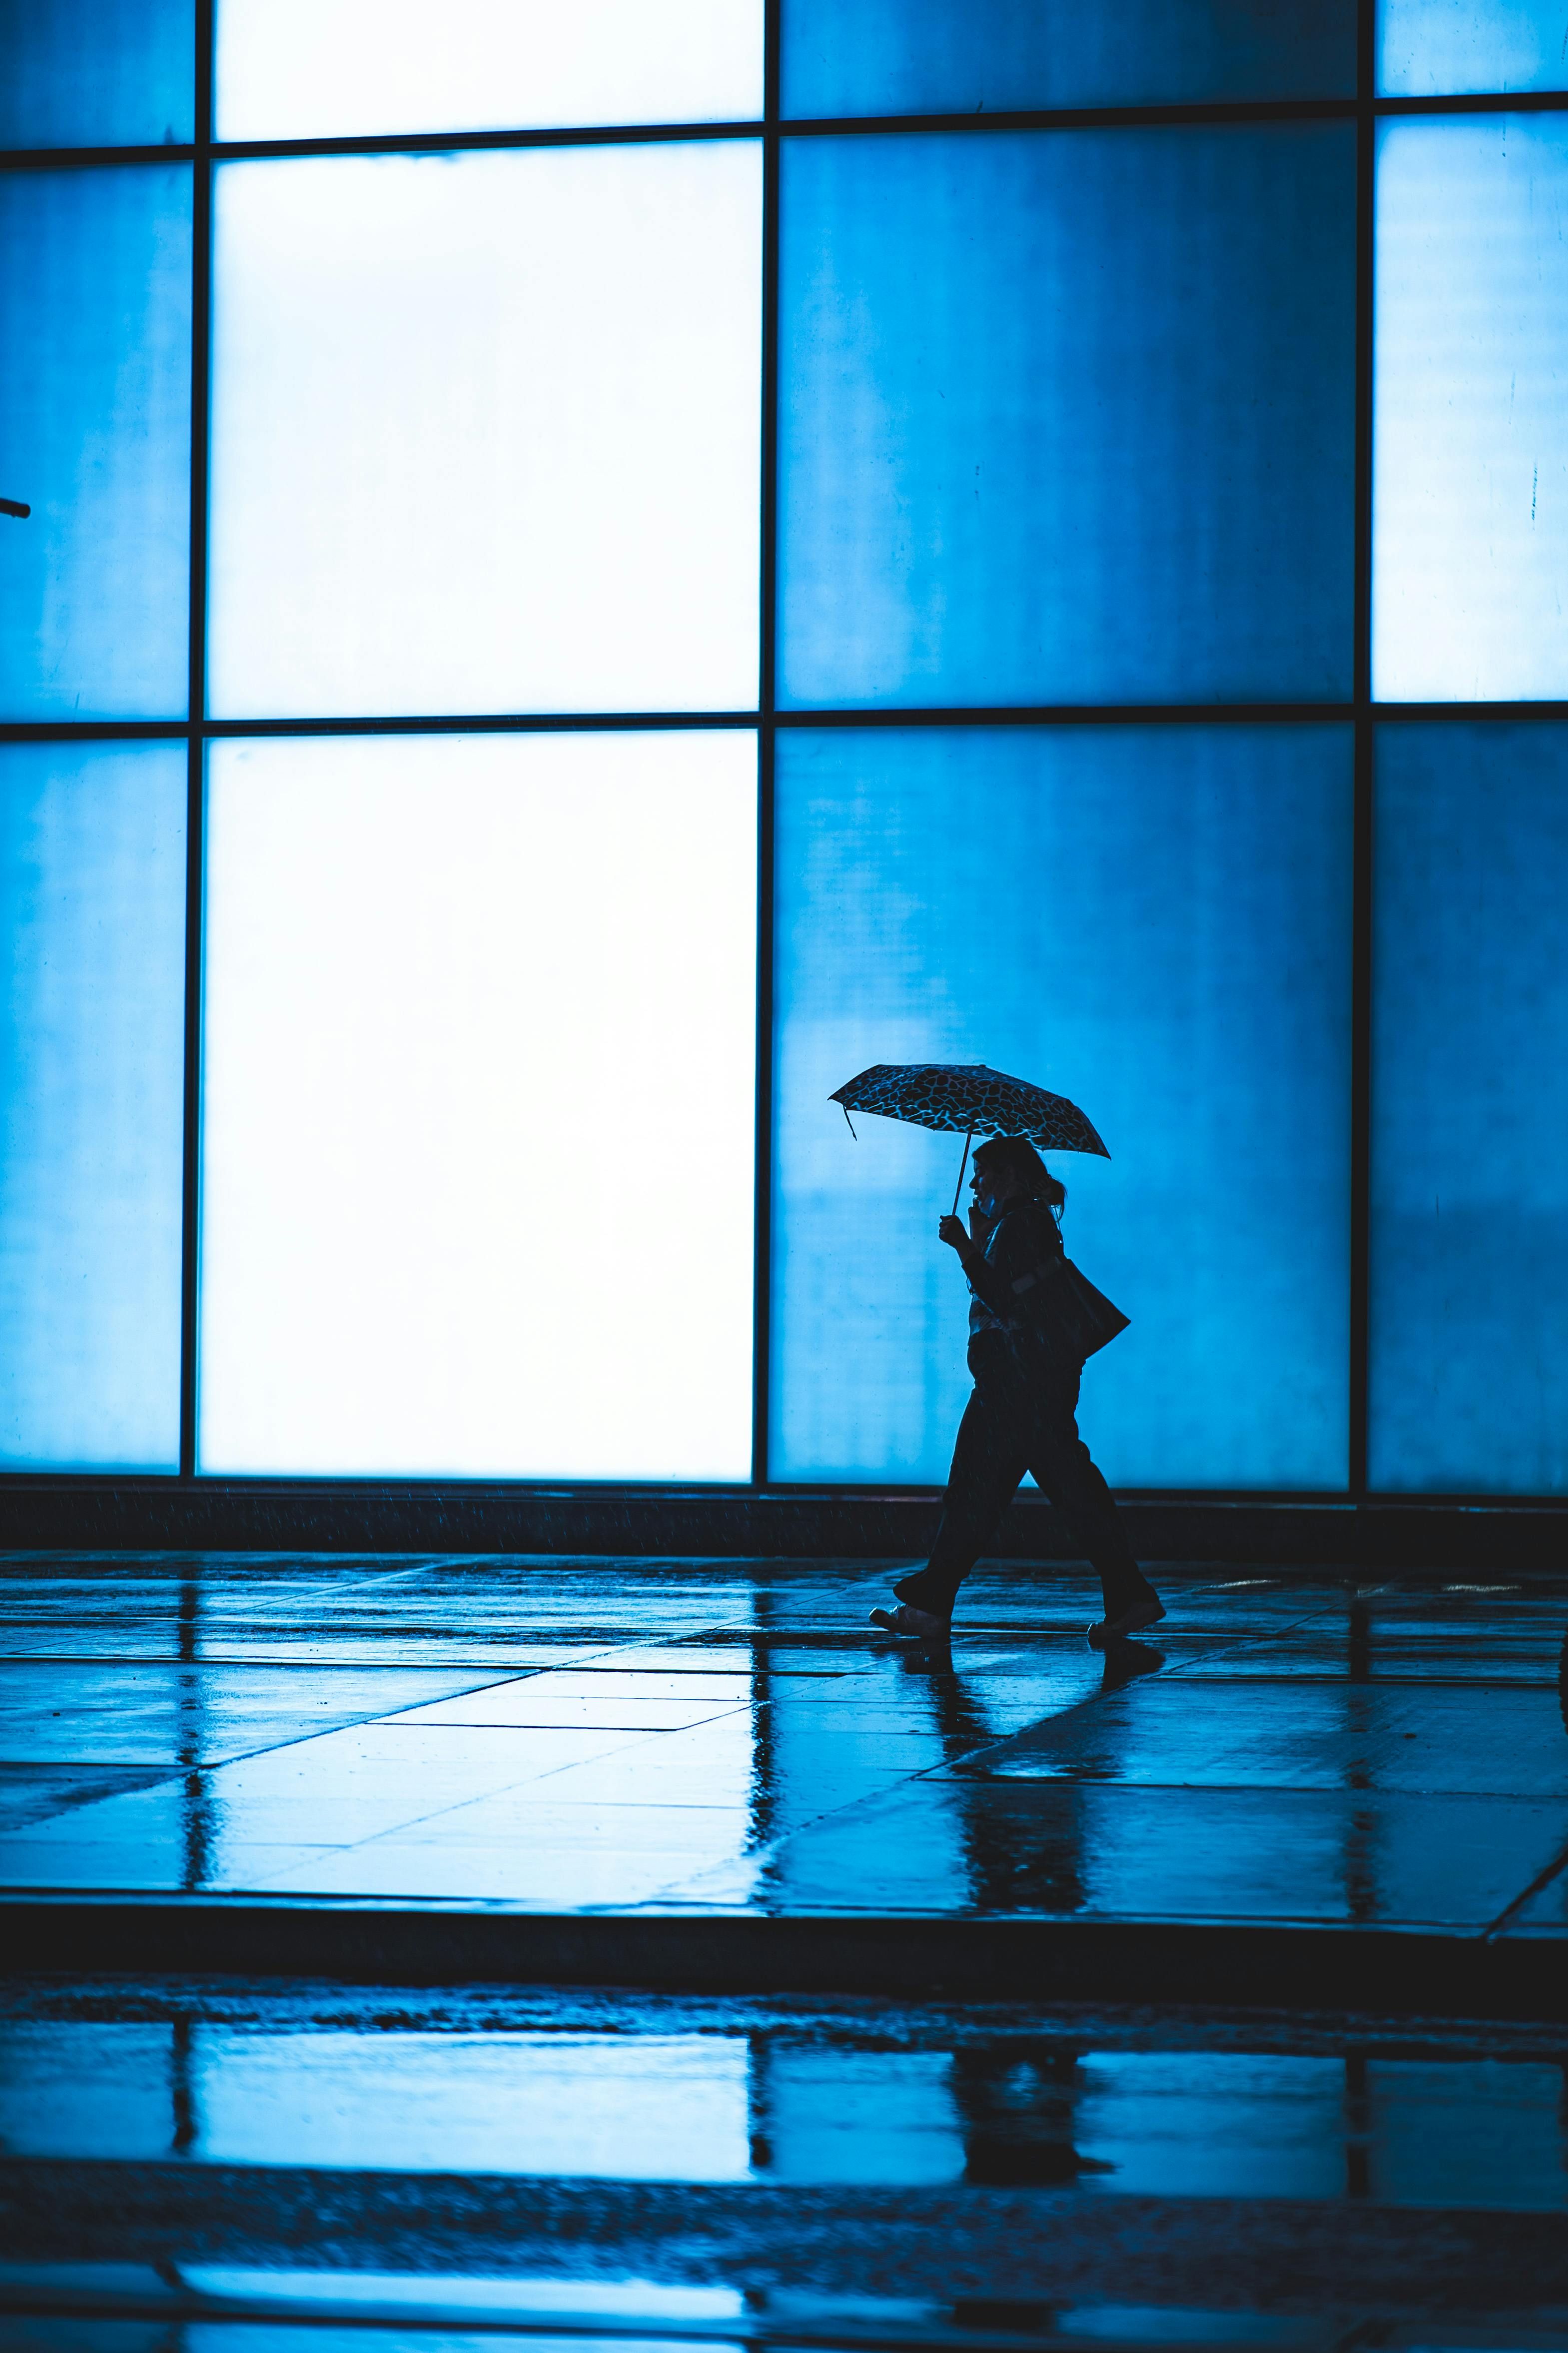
[{"x": 1032, "y": 1322}]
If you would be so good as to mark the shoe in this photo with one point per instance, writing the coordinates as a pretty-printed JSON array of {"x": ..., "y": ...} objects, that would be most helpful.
[
  {"x": 1132, "y": 1620},
  {"x": 907, "y": 1620}
]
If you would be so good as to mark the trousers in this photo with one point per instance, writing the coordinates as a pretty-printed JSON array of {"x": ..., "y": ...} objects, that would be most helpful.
[{"x": 1008, "y": 1428}]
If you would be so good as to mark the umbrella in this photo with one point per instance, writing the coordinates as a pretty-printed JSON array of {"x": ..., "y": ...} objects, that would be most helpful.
[{"x": 970, "y": 1100}]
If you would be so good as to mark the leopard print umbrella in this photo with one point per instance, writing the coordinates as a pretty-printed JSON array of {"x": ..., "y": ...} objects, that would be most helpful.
[{"x": 970, "y": 1099}]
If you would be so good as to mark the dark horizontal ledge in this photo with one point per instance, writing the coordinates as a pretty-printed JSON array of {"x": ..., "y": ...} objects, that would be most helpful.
[
  {"x": 955, "y": 715},
  {"x": 1390, "y": 1536},
  {"x": 978, "y": 119},
  {"x": 1393, "y": 1972}
]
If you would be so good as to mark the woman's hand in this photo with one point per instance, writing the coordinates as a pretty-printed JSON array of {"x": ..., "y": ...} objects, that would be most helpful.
[{"x": 955, "y": 1234}]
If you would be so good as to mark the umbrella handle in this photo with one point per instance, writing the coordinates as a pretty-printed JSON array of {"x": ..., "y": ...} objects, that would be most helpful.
[{"x": 962, "y": 1166}]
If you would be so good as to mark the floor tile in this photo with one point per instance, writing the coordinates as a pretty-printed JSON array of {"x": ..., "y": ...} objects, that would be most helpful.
[
  {"x": 40, "y": 1793},
  {"x": 336, "y": 1789},
  {"x": 1288, "y": 1735},
  {"x": 140, "y": 1713},
  {"x": 565, "y": 1878},
  {"x": 544, "y": 1700},
  {"x": 1545, "y": 1913},
  {"x": 148, "y": 1866},
  {"x": 1067, "y": 1847}
]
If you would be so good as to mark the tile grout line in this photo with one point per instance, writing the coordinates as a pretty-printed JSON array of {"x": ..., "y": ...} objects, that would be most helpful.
[{"x": 1542, "y": 1879}]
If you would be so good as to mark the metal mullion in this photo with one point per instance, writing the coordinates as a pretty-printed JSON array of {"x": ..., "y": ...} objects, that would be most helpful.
[
  {"x": 762, "y": 1226},
  {"x": 457, "y": 142},
  {"x": 1196, "y": 715},
  {"x": 504, "y": 722},
  {"x": 89, "y": 159},
  {"x": 1176, "y": 113},
  {"x": 1489, "y": 101},
  {"x": 1362, "y": 834},
  {"x": 1071, "y": 715},
  {"x": 201, "y": 322}
]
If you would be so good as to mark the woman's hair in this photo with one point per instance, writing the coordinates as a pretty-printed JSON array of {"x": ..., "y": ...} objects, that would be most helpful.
[{"x": 1018, "y": 1156}]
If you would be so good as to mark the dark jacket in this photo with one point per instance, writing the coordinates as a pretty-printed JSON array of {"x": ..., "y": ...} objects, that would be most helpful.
[{"x": 1052, "y": 1315}]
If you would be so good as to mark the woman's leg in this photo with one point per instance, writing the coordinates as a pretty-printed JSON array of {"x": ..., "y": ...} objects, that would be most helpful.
[
  {"x": 1066, "y": 1471},
  {"x": 989, "y": 1458}
]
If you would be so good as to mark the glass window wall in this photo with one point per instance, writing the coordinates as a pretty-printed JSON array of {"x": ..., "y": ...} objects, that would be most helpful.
[{"x": 724, "y": 540}]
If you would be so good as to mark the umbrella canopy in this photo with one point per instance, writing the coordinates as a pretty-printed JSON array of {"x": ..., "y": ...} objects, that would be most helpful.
[{"x": 969, "y": 1099}]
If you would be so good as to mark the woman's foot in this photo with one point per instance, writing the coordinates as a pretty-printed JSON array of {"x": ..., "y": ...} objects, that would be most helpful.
[
  {"x": 1131, "y": 1621},
  {"x": 907, "y": 1620}
]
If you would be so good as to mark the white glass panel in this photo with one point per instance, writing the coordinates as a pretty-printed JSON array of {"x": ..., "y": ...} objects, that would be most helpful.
[
  {"x": 92, "y": 1009},
  {"x": 478, "y": 1132},
  {"x": 1470, "y": 519},
  {"x": 486, "y": 432},
  {"x": 1430, "y": 48},
  {"x": 338, "y": 68}
]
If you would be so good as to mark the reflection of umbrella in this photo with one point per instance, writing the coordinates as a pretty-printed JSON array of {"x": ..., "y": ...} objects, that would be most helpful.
[{"x": 969, "y": 1100}]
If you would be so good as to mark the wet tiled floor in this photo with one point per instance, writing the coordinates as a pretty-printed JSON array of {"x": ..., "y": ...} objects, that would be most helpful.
[
  {"x": 553, "y": 1735},
  {"x": 222, "y": 2168},
  {"x": 194, "y": 2165},
  {"x": 645, "y": 2087}
]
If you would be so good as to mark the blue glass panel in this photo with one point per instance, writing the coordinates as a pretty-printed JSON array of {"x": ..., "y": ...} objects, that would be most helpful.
[
  {"x": 1470, "y": 456},
  {"x": 334, "y": 68},
  {"x": 92, "y": 914},
  {"x": 1066, "y": 417},
  {"x": 1154, "y": 921},
  {"x": 1429, "y": 48},
  {"x": 1469, "y": 1261},
  {"x": 97, "y": 73},
  {"x": 486, "y": 431},
  {"x": 496, "y": 993},
  {"x": 972, "y": 56},
  {"x": 95, "y": 309}
]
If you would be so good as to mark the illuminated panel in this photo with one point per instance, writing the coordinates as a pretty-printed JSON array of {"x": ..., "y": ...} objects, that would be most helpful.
[
  {"x": 97, "y": 73},
  {"x": 338, "y": 68},
  {"x": 1153, "y": 921},
  {"x": 1470, "y": 442},
  {"x": 478, "y": 1132},
  {"x": 1432, "y": 48},
  {"x": 1068, "y": 416},
  {"x": 485, "y": 432},
  {"x": 92, "y": 912},
  {"x": 95, "y": 327},
  {"x": 969, "y": 57},
  {"x": 1469, "y": 1236}
]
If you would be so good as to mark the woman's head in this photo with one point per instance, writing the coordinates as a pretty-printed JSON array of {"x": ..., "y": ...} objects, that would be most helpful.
[{"x": 1007, "y": 1167}]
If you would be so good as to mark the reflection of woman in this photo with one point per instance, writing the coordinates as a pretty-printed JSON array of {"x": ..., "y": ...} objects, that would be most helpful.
[{"x": 1031, "y": 1323}]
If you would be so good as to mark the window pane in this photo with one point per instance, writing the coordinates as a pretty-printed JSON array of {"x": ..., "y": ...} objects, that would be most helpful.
[
  {"x": 1471, "y": 517},
  {"x": 1066, "y": 416},
  {"x": 480, "y": 1079},
  {"x": 1153, "y": 921},
  {"x": 95, "y": 323},
  {"x": 486, "y": 432},
  {"x": 1469, "y": 1263},
  {"x": 1435, "y": 48},
  {"x": 965, "y": 57},
  {"x": 337, "y": 68},
  {"x": 97, "y": 73},
  {"x": 92, "y": 908}
]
